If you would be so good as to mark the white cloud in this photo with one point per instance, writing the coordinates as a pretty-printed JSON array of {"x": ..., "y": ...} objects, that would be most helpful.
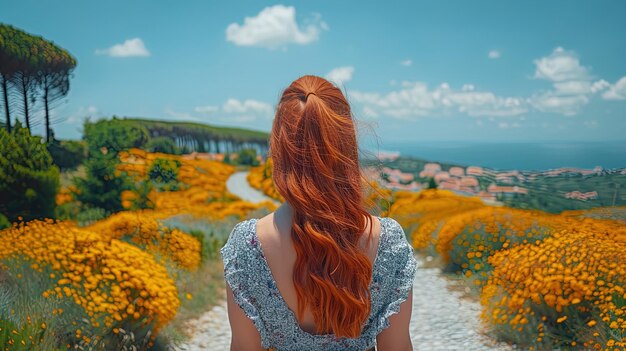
[
  {"x": 572, "y": 83},
  {"x": 468, "y": 87},
  {"x": 599, "y": 86},
  {"x": 207, "y": 109},
  {"x": 248, "y": 106},
  {"x": 274, "y": 27},
  {"x": 616, "y": 91},
  {"x": 414, "y": 99},
  {"x": 130, "y": 48},
  {"x": 82, "y": 113},
  {"x": 233, "y": 110},
  {"x": 572, "y": 87},
  {"x": 560, "y": 66},
  {"x": 340, "y": 75},
  {"x": 494, "y": 54},
  {"x": 406, "y": 63},
  {"x": 567, "y": 105}
]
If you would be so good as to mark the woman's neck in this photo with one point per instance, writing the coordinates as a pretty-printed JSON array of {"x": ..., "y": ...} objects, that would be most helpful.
[{"x": 284, "y": 213}]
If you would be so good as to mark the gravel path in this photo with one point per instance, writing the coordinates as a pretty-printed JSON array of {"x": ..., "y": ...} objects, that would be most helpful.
[
  {"x": 238, "y": 185},
  {"x": 442, "y": 320}
]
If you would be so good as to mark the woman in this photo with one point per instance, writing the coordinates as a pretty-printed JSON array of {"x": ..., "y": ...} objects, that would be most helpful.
[{"x": 319, "y": 273}]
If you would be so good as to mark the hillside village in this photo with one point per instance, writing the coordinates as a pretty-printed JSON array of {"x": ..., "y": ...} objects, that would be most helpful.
[{"x": 488, "y": 184}]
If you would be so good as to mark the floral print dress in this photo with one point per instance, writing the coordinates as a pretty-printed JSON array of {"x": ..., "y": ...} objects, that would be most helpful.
[{"x": 247, "y": 273}]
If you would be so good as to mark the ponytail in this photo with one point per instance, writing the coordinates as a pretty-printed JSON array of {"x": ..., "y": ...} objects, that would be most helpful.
[{"x": 316, "y": 169}]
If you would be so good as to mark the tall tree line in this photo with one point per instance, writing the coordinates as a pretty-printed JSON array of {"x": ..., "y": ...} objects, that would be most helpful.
[{"x": 31, "y": 69}]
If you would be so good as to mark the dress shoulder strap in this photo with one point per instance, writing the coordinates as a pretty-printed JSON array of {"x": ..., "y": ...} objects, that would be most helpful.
[
  {"x": 242, "y": 272},
  {"x": 394, "y": 275}
]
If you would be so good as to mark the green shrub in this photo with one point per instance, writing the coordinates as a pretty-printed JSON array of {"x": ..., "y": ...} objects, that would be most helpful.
[
  {"x": 102, "y": 186},
  {"x": 115, "y": 135},
  {"x": 90, "y": 215},
  {"x": 29, "y": 181},
  {"x": 68, "y": 154},
  {"x": 30, "y": 321},
  {"x": 247, "y": 157},
  {"x": 142, "y": 195},
  {"x": 164, "y": 171},
  {"x": 162, "y": 144},
  {"x": 4, "y": 222}
]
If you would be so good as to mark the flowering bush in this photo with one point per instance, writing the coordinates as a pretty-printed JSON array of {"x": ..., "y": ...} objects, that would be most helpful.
[
  {"x": 546, "y": 281},
  {"x": 114, "y": 282},
  {"x": 117, "y": 282},
  {"x": 145, "y": 230},
  {"x": 567, "y": 290}
]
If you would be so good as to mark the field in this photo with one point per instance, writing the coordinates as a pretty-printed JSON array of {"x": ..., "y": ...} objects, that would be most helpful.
[{"x": 133, "y": 278}]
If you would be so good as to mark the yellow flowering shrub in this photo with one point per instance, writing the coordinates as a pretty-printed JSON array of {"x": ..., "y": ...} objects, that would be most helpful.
[
  {"x": 184, "y": 249},
  {"x": 616, "y": 213},
  {"x": 115, "y": 270},
  {"x": 112, "y": 280},
  {"x": 204, "y": 180},
  {"x": 144, "y": 229},
  {"x": 204, "y": 192},
  {"x": 566, "y": 290},
  {"x": 466, "y": 240},
  {"x": 65, "y": 195},
  {"x": 427, "y": 210},
  {"x": 545, "y": 280}
]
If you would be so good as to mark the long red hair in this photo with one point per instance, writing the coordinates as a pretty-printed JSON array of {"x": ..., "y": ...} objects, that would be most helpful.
[{"x": 313, "y": 146}]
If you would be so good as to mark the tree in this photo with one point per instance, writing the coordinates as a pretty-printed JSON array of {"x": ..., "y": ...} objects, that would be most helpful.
[
  {"x": 67, "y": 154},
  {"x": 247, "y": 157},
  {"x": 431, "y": 183},
  {"x": 4, "y": 84},
  {"x": 115, "y": 135},
  {"x": 142, "y": 198},
  {"x": 10, "y": 64},
  {"x": 29, "y": 180},
  {"x": 55, "y": 84},
  {"x": 102, "y": 185},
  {"x": 164, "y": 171},
  {"x": 162, "y": 144},
  {"x": 32, "y": 66},
  {"x": 25, "y": 83}
]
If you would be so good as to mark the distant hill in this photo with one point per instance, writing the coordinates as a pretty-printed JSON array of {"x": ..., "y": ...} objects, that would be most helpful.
[
  {"x": 191, "y": 136},
  {"x": 160, "y": 126}
]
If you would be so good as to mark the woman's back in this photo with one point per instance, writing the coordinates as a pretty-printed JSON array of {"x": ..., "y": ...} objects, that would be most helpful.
[
  {"x": 317, "y": 270},
  {"x": 274, "y": 234},
  {"x": 257, "y": 266}
]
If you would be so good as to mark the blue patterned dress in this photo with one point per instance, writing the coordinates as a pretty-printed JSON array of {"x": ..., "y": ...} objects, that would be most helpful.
[{"x": 247, "y": 273}]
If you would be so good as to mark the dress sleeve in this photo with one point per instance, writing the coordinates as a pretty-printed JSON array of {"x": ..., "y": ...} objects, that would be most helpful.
[
  {"x": 239, "y": 273},
  {"x": 396, "y": 275}
]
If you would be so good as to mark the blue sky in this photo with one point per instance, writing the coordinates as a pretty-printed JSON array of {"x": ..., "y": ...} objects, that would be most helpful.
[{"x": 414, "y": 70}]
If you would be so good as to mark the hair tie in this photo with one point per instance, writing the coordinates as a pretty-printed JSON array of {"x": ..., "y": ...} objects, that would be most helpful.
[{"x": 307, "y": 95}]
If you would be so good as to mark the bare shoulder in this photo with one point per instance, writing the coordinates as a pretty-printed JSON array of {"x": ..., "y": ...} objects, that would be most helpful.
[{"x": 266, "y": 228}]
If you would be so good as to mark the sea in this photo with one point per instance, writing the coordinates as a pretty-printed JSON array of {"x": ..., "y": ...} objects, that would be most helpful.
[{"x": 529, "y": 156}]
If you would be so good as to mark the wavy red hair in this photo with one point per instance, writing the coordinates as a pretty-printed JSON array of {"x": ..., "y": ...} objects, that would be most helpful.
[{"x": 313, "y": 146}]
